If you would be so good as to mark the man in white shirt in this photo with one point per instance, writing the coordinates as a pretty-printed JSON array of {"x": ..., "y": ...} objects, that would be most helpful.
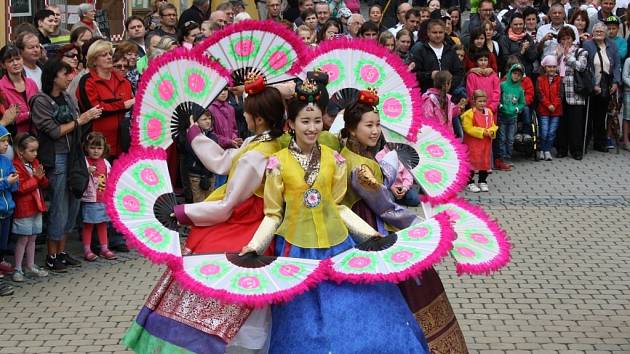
[
  {"x": 412, "y": 23},
  {"x": 547, "y": 35},
  {"x": 31, "y": 52},
  {"x": 400, "y": 14}
]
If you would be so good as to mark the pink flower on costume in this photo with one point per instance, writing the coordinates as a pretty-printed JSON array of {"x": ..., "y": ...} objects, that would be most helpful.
[
  {"x": 340, "y": 160},
  {"x": 273, "y": 163}
]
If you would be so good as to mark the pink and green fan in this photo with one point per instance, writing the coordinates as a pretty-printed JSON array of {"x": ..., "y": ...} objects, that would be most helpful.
[
  {"x": 262, "y": 47},
  {"x": 396, "y": 257},
  {"x": 139, "y": 200},
  {"x": 481, "y": 246},
  {"x": 354, "y": 65},
  {"x": 250, "y": 279},
  {"x": 168, "y": 92},
  {"x": 437, "y": 160}
]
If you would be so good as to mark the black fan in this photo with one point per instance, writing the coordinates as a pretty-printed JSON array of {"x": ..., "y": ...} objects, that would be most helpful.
[
  {"x": 163, "y": 209},
  {"x": 249, "y": 260},
  {"x": 343, "y": 98},
  {"x": 406, "y": 154},
  {"x": 181, "y": 119},
  {"x": 378, "y": 243}
]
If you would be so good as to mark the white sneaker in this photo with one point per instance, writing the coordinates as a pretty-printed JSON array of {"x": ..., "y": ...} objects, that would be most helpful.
[
  {"x": 473, "y": 188},
  {"x": 527, "y": 138},
  {"x": 36, "y": 272},
  {"x": 18, "y": 276},
  {"x": 518, "y": 138},
  {"x": 484, "y": 187},
  {"x": 541, "y": 155},
  {"x": 548, "y": 156}
]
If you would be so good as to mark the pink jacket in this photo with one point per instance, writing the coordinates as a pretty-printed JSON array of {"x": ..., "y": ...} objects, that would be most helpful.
[
  {"x": 489, "y": 84},
  {"x": 11, "y": 97},
  {"x": 223, "y": 122},
  {"x": 432, "y": 110},
  {"x": 403, "y": 177}
]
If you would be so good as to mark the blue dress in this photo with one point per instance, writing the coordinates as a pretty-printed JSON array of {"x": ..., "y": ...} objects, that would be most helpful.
[{"x": 343, "y": 318}]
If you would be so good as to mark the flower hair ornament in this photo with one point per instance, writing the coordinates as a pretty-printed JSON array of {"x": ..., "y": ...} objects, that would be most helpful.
[
  {"x": 254, "y": 84},
  {"x": 308, "y": 91},
  {"x": 369, "y": 97}
]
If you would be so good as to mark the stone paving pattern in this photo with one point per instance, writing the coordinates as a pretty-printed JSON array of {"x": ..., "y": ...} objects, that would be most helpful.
[{"x": 567, "y": 289}]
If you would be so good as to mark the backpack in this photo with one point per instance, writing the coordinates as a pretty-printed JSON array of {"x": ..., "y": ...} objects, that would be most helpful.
[
  {"x": 583, "y": 80},
  {"x": 77, "y": 170}
]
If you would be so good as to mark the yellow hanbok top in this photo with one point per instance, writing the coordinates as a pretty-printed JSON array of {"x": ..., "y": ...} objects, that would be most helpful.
[{"x": 309, "y": 214}]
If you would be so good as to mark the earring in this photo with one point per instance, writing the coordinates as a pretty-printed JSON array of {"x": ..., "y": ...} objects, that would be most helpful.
[{"x": 291, "y": 132}]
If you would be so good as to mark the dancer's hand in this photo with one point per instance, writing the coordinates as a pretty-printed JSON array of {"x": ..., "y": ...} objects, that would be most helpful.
[{"x": 246, "y": 249}]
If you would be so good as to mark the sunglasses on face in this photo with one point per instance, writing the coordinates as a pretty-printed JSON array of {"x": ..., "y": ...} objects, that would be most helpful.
[
  {"x": 120, "y": 66},
  {"x": 71, "y": 55}
]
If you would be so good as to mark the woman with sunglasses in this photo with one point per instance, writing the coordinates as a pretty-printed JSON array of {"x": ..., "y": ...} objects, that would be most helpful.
[{"x": 69, "y": 54}]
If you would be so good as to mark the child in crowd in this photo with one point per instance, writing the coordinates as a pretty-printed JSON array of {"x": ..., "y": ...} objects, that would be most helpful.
[
  {"x": 481, "y": 80},
  {"x": 511, "y": 105},
  {"x": 549, "y": 105},
  {"x": 224, "y": 127},
  {"x": 201, "y": 180},
  {"x": 306, "y": 34},
  {"x": 479, "y": 131},
  {"x": 524, "y": 133},
  {"x": 612, "y": 22},
  {"x": 29, "y": 205},
  {"x": 437, "y": 103},
  {"x": 402, "y": 187},
  {"x": 8, "y": 184},
  {"x": 92, "y": 203}
]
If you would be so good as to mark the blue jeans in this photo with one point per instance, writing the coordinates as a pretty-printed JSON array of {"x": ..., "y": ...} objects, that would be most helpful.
[
  {"x": 507, "y": 130},
  {"x": 526, "y": 121},
  {"x": 547, "y": 130},
  {"x": 5, "y": 227},
  {"x": 64, "y": 207}
]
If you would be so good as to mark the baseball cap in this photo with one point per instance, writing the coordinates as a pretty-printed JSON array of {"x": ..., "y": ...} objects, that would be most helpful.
[{"x": 611, "y": 20}]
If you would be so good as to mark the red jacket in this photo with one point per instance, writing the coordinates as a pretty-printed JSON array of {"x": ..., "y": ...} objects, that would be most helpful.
[
  {"x": 549, "y": 94},
  {"x": 111, "y": 96},
  {"x": 28, "y": 198},
  {"x": 528, "y": 87}
]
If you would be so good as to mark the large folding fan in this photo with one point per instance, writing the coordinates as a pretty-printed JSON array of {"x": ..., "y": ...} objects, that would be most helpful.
[
  {"x": 396, "y": 257},
  {"x": 170, "y": 88},
  {"x": 139, "y": 200},
  {"x": 250, "y": 279},
  {"x": 436, "y": 160},
  {"x": 354, "y": 65},
  {"x": 481, "y": 246},
  {"x": 263, "y": 47}
]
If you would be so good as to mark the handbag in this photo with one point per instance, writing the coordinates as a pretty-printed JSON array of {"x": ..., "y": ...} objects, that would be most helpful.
[
  {"x": 583, "y": 80},
  {"x": 77, "y": 170},
  {"x": 605, "y": 82}
]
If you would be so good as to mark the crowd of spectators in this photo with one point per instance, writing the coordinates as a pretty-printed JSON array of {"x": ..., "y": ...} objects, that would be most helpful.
[{"x": 548, "y": 72}]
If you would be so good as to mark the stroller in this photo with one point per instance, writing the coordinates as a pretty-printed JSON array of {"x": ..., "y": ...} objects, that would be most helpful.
[{"x": 528, "y": 148}]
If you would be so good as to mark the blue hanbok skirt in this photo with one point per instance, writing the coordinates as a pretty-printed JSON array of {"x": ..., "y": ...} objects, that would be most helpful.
[{"x": 343, "y": 318}]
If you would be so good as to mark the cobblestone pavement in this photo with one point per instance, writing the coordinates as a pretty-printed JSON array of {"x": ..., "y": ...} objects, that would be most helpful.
[{"x": 567, "y": 289}]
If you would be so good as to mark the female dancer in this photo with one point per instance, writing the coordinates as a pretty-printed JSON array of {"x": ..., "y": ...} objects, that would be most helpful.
[
  {"x": 369, "y": 196},
  {"x": 304, "y": 184},
  {"x": 175, "y": 319}
]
